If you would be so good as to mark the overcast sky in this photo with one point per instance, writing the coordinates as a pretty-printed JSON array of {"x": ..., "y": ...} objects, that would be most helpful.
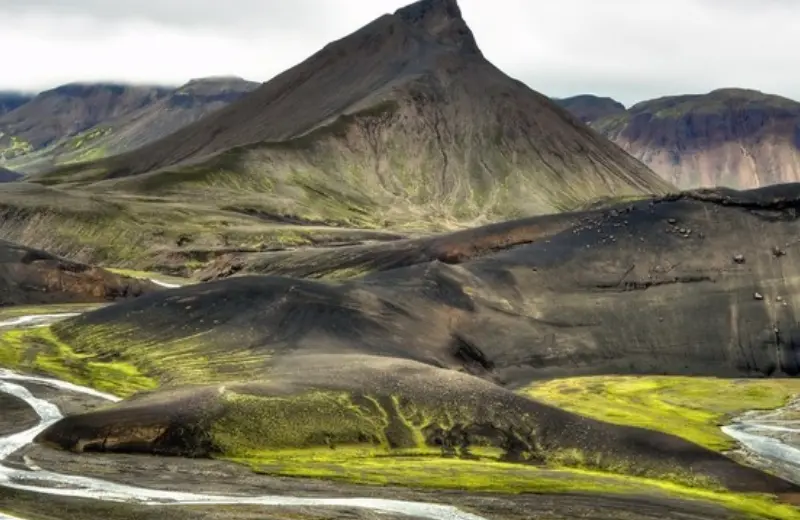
[{"x": 627, "y": 49}]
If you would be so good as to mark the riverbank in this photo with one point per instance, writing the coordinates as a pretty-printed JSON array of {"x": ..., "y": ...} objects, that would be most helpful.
[{"x": 551, "y": 494}]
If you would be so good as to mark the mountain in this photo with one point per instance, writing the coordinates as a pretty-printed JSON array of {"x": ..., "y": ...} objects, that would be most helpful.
[
  {"x": 7, "y": 175},
  {"x": 12, "y": 100},
  {"x": 589, "y": 108},
  {"x": 101, "y": 120},
  {"x": 403, "y": 121},
  {"x": 68, "y": 110},
  {"x": 729, "y": 137}
]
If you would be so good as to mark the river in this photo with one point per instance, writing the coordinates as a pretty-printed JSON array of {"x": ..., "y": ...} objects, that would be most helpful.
[{"x": 766, "y": 436}]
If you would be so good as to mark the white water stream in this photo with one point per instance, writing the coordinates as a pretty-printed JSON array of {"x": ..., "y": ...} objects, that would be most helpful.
[{"x": 45, "y": 482}]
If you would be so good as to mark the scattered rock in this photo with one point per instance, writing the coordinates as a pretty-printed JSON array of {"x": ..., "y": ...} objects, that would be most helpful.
[
  {"x": 777, "y": 251},
  {"x": 758, "y": 296},
  {"x": 672, "y": 221},
  {"x": 738, "y": 258}
]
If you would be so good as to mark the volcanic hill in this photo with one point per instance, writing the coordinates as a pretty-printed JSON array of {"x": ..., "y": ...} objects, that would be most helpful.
[
  {"x": 729, "y": 137},
  {"x": 403, "y": 121}
]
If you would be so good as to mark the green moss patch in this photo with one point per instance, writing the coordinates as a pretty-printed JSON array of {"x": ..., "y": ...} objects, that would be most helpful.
[
  {"x": 39, "y": 351},
  {"x": 690, "y": 407},
  {"x": 485, "y": 474}
]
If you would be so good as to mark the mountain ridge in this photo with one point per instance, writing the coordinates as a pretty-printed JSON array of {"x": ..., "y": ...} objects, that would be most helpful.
[{"x": 734, "y": 137}]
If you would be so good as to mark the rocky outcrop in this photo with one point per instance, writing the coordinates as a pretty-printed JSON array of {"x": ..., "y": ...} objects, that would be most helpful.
[{"x": 30, "y": 276}]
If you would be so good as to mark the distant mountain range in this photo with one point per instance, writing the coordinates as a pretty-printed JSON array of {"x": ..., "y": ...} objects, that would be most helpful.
[
  {"x": 79, "y": 122},
  {"x": 729, "y": 137}
]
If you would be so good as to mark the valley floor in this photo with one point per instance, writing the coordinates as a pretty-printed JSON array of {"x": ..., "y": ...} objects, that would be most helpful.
[{"x": 490, "y": 491}]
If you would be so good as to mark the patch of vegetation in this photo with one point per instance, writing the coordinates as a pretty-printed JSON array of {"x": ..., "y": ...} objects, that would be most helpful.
[
  {"x": 39, "y": 351},
  {"x": 486, "y": 474},
  {"x": 16, "y": 148},
  {"x": 690, "y": 407}
]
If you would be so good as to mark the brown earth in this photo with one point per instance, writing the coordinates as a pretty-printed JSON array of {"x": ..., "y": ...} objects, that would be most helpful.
[
  {"x": 729, "y": 137},
  {"x": 403, "y": 120},
  {"x": 31, "y": 276}
]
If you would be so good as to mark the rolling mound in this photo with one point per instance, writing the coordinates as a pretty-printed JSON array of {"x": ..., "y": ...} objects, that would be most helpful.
[
  {"x": 425, "y": 357},
  {"x": 589, "y": 108},
  {"x": 340, "y": 401},
  {"x": 30, "y": 276},
  {"x": 402, "y": 122},
  {"x": 729, "y": 137}
]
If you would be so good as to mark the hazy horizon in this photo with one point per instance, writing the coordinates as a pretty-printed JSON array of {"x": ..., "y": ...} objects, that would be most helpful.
[{"x": 622, "y": 49}]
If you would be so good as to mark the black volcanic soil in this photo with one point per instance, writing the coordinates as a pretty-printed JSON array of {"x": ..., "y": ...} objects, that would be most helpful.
[
  {"x": 698, "y": 283},
  {"x": 31, "y": 276}
]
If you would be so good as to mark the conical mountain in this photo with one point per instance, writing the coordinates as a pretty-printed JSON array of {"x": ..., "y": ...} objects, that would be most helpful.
[{"x": 402, "y": 120}]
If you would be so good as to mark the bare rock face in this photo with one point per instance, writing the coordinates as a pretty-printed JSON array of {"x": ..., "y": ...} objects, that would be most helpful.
[
  {"x": 730, "y": 137},
  {"x": 30, "y": 276}
]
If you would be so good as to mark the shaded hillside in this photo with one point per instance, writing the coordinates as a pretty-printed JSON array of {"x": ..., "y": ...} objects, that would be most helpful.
[
  {"x": 589, "y": 108},
  {"x": 136, "y": 128},
  {"x": 423, "y": 357},
  {"x": 400, "y": 122},
  {"x": 12, "y": 100},
  {"x": 68, "y": 110},
  {"x": 729, "y": 137},
  {"x": 31, "y": 276}
]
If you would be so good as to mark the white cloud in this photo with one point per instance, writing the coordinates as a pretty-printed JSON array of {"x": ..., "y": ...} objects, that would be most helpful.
[{"x": 628, "y": 49}]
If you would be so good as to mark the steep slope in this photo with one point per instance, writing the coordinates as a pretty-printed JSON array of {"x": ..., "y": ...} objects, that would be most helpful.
[
  {"x": 136, "y": 128},
  {"x": 589, "y": 108},
  {"x": 730, "y": 137},
  {"x": 12, "y": 100},
  {"x": 68, "y": 110},
  {"x": 403, "y": 120}
]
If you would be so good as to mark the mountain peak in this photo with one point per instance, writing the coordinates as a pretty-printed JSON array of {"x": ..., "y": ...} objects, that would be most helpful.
[{"x": 441, "y": 19}]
